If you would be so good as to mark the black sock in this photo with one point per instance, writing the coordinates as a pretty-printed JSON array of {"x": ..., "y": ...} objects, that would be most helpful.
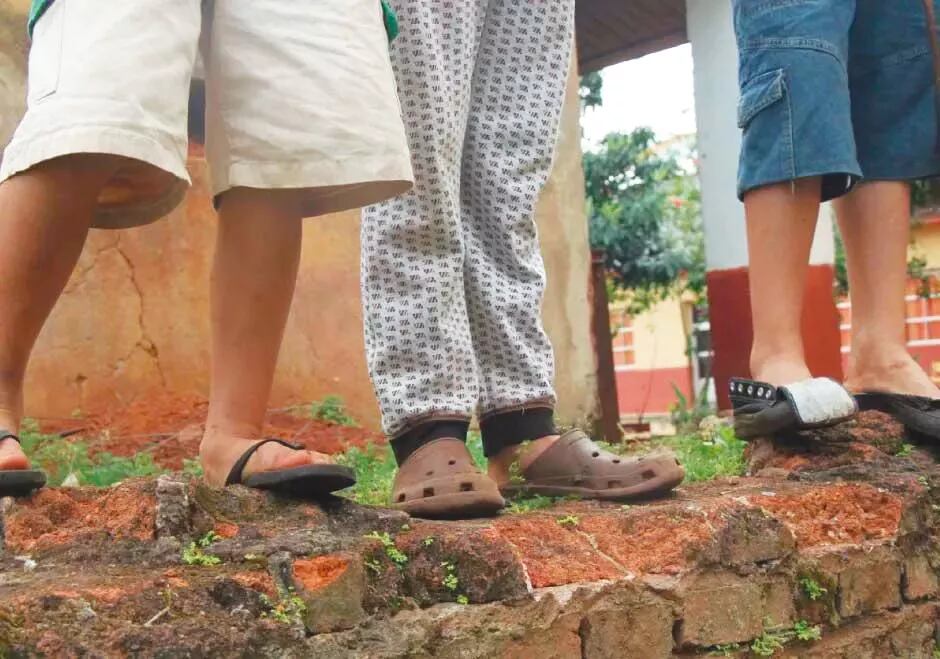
[
  {"x": 512, "y": 428},
  {"x": 404, "y": 445}
]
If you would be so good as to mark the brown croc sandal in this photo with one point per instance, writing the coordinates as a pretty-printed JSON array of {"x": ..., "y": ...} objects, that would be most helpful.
[
  {"x": 576, "y": 466},
  {"x": 441, "y": 481}
]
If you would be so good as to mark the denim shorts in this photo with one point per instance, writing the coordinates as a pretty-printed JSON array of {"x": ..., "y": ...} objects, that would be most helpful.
[{"x": 840, "y": 89}]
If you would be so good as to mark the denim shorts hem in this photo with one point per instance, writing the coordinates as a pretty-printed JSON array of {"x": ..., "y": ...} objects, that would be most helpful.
[{"x": 828, "y": 172}]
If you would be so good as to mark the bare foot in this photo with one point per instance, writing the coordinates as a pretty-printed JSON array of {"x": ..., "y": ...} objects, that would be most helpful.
[
  {"x": 12, "y": 457},
  {"x": 218, "y": 454},
  {"x": 513, "y": 460},
  {"x": 780, "y": 371},
  {"x": 902, "y": 375}
]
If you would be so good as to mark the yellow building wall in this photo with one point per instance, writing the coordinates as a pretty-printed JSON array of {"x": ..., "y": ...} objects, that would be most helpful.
[{"x": 659, "y": 337}]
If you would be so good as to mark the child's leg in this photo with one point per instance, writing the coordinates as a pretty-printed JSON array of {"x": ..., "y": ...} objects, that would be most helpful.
[
  {"x": 256, "y": 261},
  {"x": 45, "y": 214},
  {"x": 875, "y": 223},
  {"x": 781, "y": 222}
]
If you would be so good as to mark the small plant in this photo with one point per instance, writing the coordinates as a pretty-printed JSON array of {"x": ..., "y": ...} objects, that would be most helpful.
[
  {"x": 395, "y": 555},
  {"x": 569, "y": 521},
  {"x": 450, "y": 580},
  {"x": 289, "y": 611},
  {"x": 428, "y": 541},
  {"x": 725, "y": 650},
  {"x": 375, "y": 472},
  {"x": 194, "y": 554},
  {"x": 812, "y": 589},
  {"x": 463, "y": 600},
  {"x": 192, "y": 467},
  {"x": 923, "y": 481},
  {"x": 768, "y": 643},
  {"x": 807, "y": 632},
  {"x": 905, "y": 450},
  {"x": 936, "y": 651},
  {"x": 374, "y": 566},
  {"x": 529, "y": 504},
  {"x": 332, "y": 409}
]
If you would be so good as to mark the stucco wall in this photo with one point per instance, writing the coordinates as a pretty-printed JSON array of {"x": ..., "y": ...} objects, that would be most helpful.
[{"x": 133, "y": 319}]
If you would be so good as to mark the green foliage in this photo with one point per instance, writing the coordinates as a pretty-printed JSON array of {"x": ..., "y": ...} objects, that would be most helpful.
[
  {"x": 450, "y": 581},
  {"x": 290, "y": 610},
  {"x": 569, "y": 521},
  {"x": 208, "y": 539},
  {"x": 529, "y": 504},
  {"x": 192, "y": 467},
  {"x": 709, "y": 454},
  {"x": 767, "y": 644},
  {"x": 375, "y": 472},
  {"x": 61, "y": 457},
  {"x": 463, "y": 600},
  {"x": 644, "y": 213},
  {"x": 591, "y": 90},
  {"x": 193, "y": 555},
  {"x": 812, "y": 588},
  {"x": 725, "y": 649},
  {"x": 905, "y": 450},
  {"x": 395, "y": 555},
  {"x": 807, "y": 632},
  {"x": 332, "y": 409},
  {"x": 688, "y": 415}
]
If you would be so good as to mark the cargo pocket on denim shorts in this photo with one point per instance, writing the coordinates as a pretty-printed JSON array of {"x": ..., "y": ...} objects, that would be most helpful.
[
  {"x": 767, "y": 142},
  {"x": 45, "y": 53}
]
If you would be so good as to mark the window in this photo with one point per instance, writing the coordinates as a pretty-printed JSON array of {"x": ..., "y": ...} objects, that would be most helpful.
[{"x": 624, "y": 348}]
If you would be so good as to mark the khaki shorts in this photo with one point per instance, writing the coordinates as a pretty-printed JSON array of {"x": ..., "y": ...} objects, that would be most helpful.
[{"x": 300, "y": 95}]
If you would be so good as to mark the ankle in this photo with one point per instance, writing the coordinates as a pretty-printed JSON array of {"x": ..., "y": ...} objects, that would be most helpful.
[
  {"x": 512, "y": 461},
  {"x": 779, "y": 368}
]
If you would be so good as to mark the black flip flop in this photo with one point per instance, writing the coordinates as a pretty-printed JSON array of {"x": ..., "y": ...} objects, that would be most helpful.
[
  {"x": 917, "y": 413},
  {"x": 19, "y": 482},
  {"x": 308, "y": 481},
  {"x": 761, "y": 409}
]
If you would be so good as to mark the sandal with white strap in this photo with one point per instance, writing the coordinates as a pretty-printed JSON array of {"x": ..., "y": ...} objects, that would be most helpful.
[{"x": 761, "y": 409}]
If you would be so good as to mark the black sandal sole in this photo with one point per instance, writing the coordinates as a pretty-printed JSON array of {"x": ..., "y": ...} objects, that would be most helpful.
[
  {"x": 917, "y": 413},
  {"x": 21, "y": 483},
  {"x": 309, "y": 481}
]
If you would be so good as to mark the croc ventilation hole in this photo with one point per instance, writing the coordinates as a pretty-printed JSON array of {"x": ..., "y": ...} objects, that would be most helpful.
[
  {"x": 616, "y": 461},
  {"x": 451, "y": 462},
  {"x": 430, "y": 473},
  {"x": 595, "y": 454},
  {"x": 428, "y": 492},
  {"x": 401, "y": 498},
  {"x": 466, "y": 487},
  {"x": 648, "y": 474}
]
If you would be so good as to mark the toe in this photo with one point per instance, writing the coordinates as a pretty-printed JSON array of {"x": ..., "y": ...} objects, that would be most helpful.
[{"x": 12, "y": 457}]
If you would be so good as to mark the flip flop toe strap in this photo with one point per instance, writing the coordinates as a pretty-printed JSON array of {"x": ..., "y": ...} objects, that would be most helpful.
[
  {"x": 6, "y": 434},
  {"x": 235, "y": 476}
]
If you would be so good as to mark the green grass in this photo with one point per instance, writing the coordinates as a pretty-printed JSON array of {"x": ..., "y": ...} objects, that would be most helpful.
[
  {"x": 715, "y": 453},
  {"x": 62, "y": 457},
  {"x": 331, "y": 409}
]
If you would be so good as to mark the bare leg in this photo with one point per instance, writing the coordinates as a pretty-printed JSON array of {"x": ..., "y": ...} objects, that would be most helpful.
[
  {"x": 781, "y": 222},
  {"x": 45, "y": 215},
  {"x": 875, "y": 223},
  {"x": 256, "y": 261}
]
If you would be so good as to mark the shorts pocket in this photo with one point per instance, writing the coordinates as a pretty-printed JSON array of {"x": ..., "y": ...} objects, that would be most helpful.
[
  {"x": 759, "y": 93},
  {"x": 45, "y": 54}
]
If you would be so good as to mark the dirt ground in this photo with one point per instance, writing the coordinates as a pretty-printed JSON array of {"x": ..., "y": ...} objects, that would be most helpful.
[{"x": 170, "y": 426}]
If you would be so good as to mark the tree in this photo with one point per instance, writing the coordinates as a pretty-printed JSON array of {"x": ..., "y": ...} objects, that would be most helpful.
[
  {"x": 643, "y": 208},
  {"x": 591, "y": 91}
]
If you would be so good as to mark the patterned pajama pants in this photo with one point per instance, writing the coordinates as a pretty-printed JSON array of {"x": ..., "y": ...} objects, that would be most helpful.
[{"x": 452, "y": 274}]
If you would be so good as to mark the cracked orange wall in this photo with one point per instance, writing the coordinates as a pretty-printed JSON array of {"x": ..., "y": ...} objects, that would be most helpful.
[{"x": 134, "y": 317}]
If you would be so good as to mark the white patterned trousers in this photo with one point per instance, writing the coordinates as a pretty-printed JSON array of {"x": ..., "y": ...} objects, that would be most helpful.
[{"x": 452, "y": 274}]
